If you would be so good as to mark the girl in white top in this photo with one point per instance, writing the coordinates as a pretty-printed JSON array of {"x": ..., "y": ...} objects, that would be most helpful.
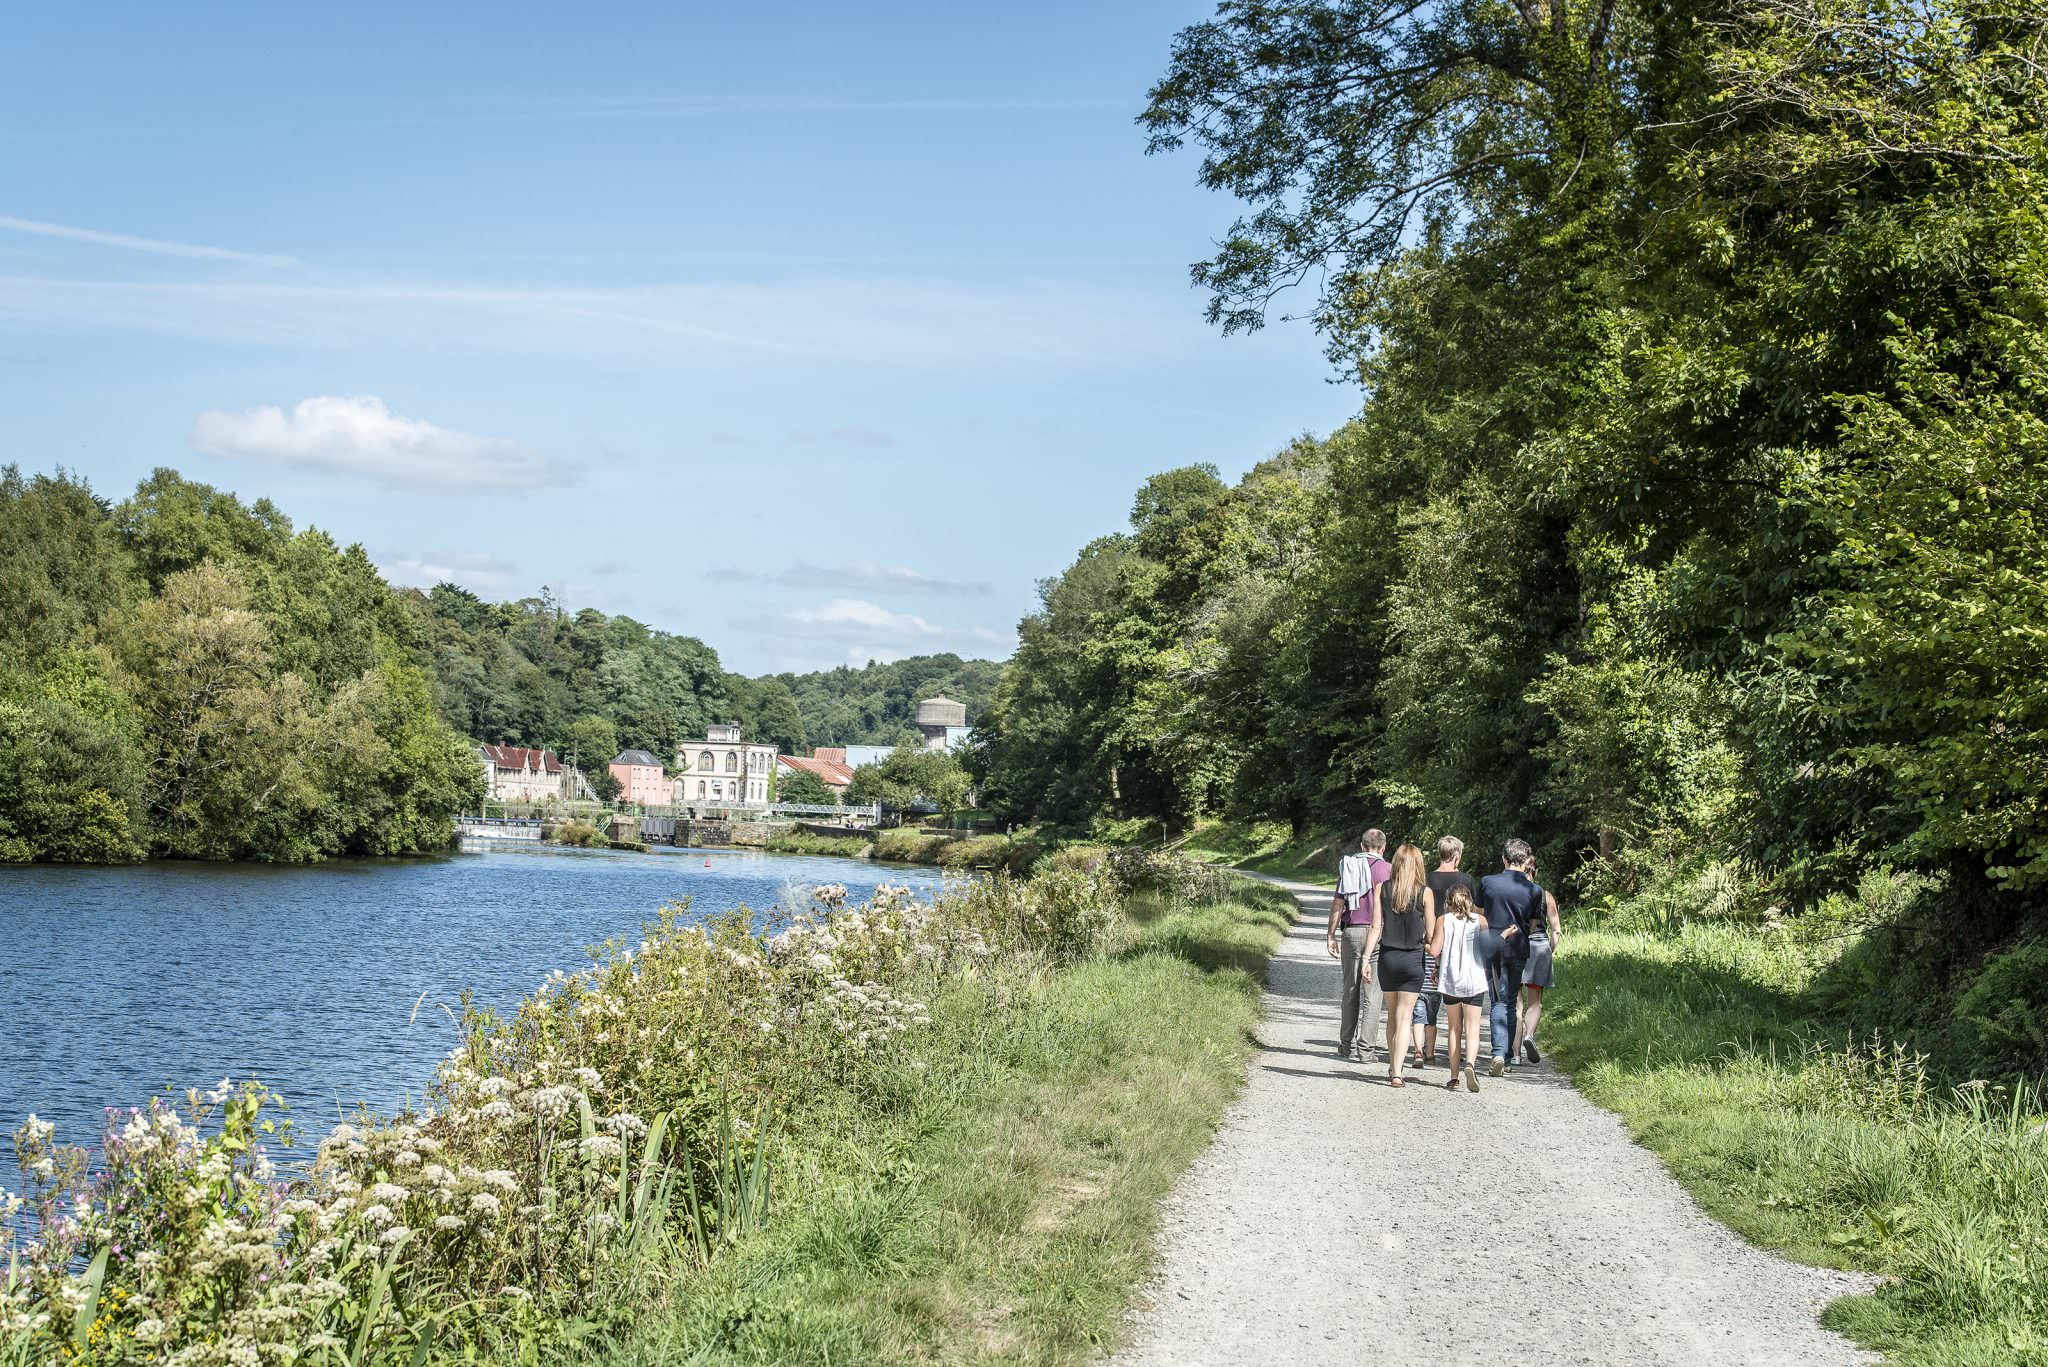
[{"x": 1461, "y": 977}]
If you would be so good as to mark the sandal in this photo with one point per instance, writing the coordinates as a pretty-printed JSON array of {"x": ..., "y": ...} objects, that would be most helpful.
[
  {"x": 1452, "y": 1085},
  {"x": 1396, "y": 1082}
]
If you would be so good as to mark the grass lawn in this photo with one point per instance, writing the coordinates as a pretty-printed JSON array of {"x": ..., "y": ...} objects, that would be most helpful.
[
  {"x": 991, "y": 1195},
  {"x": 1264, "y": 847},
  {"x": 1837, "y": 1154}
]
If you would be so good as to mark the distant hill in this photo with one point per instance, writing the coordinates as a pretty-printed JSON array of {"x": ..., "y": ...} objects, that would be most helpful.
[{"x": 874, "y": 705}]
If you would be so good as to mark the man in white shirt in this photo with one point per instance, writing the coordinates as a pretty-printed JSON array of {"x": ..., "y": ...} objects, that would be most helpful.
[{"x": 1359, "y": 876}]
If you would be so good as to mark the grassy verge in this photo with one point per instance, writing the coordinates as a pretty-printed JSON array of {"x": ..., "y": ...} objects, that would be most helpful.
[
  {"x": 991, "y": 1195},
  {"x": 1268, "y": 847},
  {"x": 809, "y": 842},
  {"x": 1704, "y": 1038},
  {"x": 921, "y": 845}
]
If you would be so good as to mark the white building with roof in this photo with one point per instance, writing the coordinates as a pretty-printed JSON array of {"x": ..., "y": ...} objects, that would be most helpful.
[{"x": 724, "y": 769}]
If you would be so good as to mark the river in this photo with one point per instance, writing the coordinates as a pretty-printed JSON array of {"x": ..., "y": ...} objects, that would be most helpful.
[{"x": 325, "y": 981}]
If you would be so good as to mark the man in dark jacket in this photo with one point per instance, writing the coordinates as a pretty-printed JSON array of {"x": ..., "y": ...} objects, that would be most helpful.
[{"x": 1509, "y": 899}]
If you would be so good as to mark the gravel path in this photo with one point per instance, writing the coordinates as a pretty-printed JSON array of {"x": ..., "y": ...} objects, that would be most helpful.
[{"x": 1326, "y": 1223}]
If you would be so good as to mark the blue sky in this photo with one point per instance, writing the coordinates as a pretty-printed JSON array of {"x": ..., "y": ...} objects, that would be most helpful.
[{"x": 821, "y": 332}]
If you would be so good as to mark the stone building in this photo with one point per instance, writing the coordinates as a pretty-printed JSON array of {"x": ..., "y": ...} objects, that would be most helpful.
[
  {"x": 513, "y": 773},
  {"x": 641, "y": 778},
  {"x": 724, "y": 768}
]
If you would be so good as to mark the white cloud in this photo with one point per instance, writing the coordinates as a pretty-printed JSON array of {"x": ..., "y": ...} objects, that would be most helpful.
[
  {"x": 154, "y": 246},
  {"x": 853, "y": 629},
  {"x": 862, "y": 616},
  {"x": 859, "y": 576},
  {"x": 480, "y": 573},
  {"x": 360, "y": 436}
]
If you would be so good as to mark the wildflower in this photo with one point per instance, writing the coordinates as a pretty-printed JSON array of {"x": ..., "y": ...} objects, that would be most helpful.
[
  {"x": 389, "y": 1192},
  {"x": 483, "y": 1203},
  {"x": 395, "y": 1235},
  {"x": 149, "y": 1331},
  {"x": 450, "y": 1223},
  {"x": 377, "y": 1215}
]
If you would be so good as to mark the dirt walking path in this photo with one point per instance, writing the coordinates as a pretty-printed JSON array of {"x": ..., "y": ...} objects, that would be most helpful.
[{"x": 1338, "y": 1220}]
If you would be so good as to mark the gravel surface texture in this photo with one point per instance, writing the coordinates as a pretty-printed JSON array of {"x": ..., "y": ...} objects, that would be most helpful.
[{"x": 1339, "y": 1220}]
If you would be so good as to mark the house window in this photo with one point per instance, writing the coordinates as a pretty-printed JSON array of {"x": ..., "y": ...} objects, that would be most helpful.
[
  {"x": 718, "y": 790},
  {"x": 732, "y": 762},
  {"x": 705, "y": 762},
  {"x": 700, "y": 787}
]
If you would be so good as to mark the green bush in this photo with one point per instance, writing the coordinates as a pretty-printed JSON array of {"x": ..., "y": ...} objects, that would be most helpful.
[
  {"x": 912, "y": 845},
  {"x": 909, "y": 845},
  {"x": 2006, "y": 1010},
  {"x": 810, "y": 842},
  {"x": 578, "y": 833}
]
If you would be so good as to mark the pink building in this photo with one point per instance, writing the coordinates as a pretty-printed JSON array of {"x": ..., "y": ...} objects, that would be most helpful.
[{"x": 641, "y": 779}]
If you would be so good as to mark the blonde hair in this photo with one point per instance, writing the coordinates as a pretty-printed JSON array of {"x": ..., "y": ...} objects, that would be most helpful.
[
  {"x": 1407, "y": 880},
  {"x": 1459, "y": 904}
]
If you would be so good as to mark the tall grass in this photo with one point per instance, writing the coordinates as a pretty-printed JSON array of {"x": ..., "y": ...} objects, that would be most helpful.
[{"x": 1837, "y": 1148}]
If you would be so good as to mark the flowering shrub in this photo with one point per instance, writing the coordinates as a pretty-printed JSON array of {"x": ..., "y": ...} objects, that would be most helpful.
[{"x": 557, "y": 1159}]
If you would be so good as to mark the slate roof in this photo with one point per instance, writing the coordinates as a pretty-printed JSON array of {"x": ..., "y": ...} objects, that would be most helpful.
[
  {"x": 519, "y": 757},
  {"x": 636, "y": 757}
]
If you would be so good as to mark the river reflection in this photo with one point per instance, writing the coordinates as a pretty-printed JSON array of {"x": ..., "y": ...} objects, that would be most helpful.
[{"x": 326, "y": 982}]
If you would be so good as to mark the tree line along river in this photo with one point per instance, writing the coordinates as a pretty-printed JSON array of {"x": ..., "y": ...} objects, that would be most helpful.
[{"x": 324, "y": 981}]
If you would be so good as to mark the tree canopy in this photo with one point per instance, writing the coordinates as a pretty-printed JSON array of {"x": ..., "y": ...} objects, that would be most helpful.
[{"x": 1693, "y": 510}]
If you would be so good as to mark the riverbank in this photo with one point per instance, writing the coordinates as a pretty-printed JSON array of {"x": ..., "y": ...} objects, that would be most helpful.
[
  {"x": 1014, "y": 854},
  {"x": 884, "y": 1126}
]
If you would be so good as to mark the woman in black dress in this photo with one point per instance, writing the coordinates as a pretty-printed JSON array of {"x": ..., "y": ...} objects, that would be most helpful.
[{"x": 1407, "y": 922}]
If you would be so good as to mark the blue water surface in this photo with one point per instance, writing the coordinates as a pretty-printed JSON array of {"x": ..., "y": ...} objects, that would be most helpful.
[{"x": 324, "y": 981}]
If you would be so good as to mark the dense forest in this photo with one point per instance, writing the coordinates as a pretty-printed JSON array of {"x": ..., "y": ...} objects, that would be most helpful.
[
  {"x": 184, "y": 674},
  {"x": 1692, "y": 525}
]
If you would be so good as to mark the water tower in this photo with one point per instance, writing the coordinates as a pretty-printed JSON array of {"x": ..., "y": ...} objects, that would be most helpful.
[{"x": 943, "y": 722}]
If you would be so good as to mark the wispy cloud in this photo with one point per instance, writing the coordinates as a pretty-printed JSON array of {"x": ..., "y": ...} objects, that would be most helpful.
[
  {"x": 858, "y": 630},
  {"x": 859, "y": 576},
  {"x": 361, "y": 436},
  {"x": 875, "y": 320},
  {"x": 128, "y": 242},
  {"x": 600, "y": 106},
  {"x": 478, "y": 572}
]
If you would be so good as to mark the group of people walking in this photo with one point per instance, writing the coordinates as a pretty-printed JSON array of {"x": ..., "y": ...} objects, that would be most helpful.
[{"x": 1436, "y": 945}]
